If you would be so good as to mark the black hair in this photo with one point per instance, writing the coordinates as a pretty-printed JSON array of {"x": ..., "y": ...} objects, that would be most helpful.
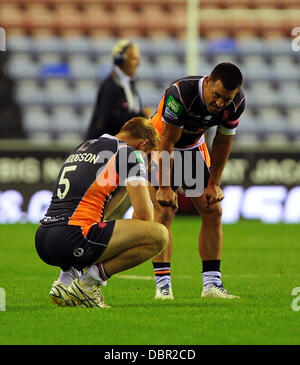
[{"x": 229, "y": 74}]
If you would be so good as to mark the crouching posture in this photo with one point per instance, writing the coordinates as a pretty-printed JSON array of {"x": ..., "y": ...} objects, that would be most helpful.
[{"x": 73, "y": 236}]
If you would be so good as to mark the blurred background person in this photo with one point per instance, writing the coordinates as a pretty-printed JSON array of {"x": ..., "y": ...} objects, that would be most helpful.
[
  {"x": 118, "y": 99},
  {"x": 11, "y": 126}
]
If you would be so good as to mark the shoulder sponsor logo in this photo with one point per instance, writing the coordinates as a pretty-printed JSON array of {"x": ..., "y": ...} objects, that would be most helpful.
[{"x": 174, "y": 106}]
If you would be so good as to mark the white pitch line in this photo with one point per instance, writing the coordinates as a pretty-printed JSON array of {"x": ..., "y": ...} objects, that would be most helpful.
[
  {"x": 137, "y": 277},
  {"x": 242, "y": 276}
]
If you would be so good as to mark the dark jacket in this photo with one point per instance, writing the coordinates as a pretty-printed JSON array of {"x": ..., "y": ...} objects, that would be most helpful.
[{"x": 111, "y": 109}]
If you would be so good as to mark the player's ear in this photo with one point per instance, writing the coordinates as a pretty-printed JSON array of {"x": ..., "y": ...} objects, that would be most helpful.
[
  {"x": 206, "y": 80},
  {"x": 143, "y": 145}
]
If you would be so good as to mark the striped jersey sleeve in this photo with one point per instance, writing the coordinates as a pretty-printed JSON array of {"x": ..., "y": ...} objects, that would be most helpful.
[
  {"x": 130, "y": 165},
  {"x": 173, "y": 109},
  {"x": 231, "y": 119}
]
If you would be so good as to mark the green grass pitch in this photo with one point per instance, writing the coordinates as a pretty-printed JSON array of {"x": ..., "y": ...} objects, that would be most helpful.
[{"x": 261, "y": 263}]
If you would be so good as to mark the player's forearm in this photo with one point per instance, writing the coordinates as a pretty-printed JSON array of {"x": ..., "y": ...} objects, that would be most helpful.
[
  {"x": 170, "y": 135},
  {"x": 165, "y": 163},
  {"x": 145, "y": 216},
  {"x": 143, "y": 210},
  {"x": 221, "y": 149},
  {"x": 141, "y": 202}
]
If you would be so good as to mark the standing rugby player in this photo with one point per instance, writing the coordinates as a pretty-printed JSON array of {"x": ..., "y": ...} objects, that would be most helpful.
[{"x": 189, "y": 107}]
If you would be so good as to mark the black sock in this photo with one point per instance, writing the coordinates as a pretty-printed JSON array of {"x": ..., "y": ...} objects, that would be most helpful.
[{"x": 211, "y": 265}]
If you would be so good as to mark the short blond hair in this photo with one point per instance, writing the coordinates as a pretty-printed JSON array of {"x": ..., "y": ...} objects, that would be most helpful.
[
  {"x": 141, "y": 128},
  {"x": 120, "y": 46}
]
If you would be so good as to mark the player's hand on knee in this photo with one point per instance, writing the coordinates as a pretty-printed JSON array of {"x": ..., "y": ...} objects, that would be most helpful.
[
  {"x": 212, "y": 194},
  {"x": 167, "y": 197}
]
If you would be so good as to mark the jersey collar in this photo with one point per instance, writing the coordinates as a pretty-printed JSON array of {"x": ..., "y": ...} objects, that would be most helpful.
[{"x": 200, "y": 89}]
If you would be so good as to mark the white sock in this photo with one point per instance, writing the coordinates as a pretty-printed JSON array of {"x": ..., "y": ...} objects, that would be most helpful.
[
  {"x": 92, "y": 277},
  {"x": 163, "y": 280},
  {"x": 66, "y": 277},
  {"x": 210, "y": 278}
]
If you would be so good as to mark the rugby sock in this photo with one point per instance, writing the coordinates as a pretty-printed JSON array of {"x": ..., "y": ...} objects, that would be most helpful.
[
  {"x": 66, "y": 277},
  {"x": 162, "y": 273},
  {"x": 211, "y": 273},
  {"x": 102, "y": 272},
  {"x": 92, "y": 276}
]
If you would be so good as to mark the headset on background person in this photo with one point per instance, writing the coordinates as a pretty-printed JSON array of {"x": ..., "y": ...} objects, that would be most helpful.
[{"x": 119, "y": 50}]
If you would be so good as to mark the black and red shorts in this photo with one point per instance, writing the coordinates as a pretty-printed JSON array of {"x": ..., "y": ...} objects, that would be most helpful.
[
  {"x": 190, "y": 170},
  {"x": 66, "y": 246}
]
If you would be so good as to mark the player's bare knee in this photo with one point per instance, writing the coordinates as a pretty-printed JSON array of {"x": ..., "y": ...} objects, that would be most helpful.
[
  {"x": 160, "y": 238},
  {"x": 212, "y": 212},
  {"x": 164, "y": 216}
]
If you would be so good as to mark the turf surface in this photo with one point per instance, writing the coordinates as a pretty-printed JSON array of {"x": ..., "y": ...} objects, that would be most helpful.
[{"x": 261, "y": 263}]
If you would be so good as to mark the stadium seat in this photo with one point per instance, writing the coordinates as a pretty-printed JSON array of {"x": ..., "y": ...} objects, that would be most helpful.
[
  {"x": 65, "y": 118},
  {"x": 168, "y": 46},
  {"x": 37, "y": 123},
  {"x": 22, "y": 66},
  {"x": 20, "y": 43},
  {"x": 289, "y": 94},
  {"x": 292, "y": 122},
  {"x": 85, "y": 92},
  {"x": 66, "y": 124},
  {"x": 85, "y": 118},
  {"x": 69, "y": 48},
  {"x": 204, "y": 67},
  {"x": 168, "y": 68},
  {"x": 150, "y": 94},
  {"x": 262, "y": 94},
  {"x": 284, "y": 68},
  {"x": 278, "y": 46},
  {"x": 39, "y": 15},
  {"x": 81, "y": 67},
  {"x": 98, "y": 15},
  {"x": 255, "y": 68},
  {"x": 247, "y": 46},
  {"x": 273, "y": 125},
  {"x": 76, "y": 45},
  {"x": 146, "y": 70},
  {"x": 57, "y": 93},
  {"x": 53, "y": 45},
  {"x": 68, "y": 16},
  {"x": 102, "y": 46},
  {"x": 125, "y": 17},
  {"x": 225, "y": 58},
  {"x": 249, "y": 130},
  {"x": 28, "y": 92},
  {"x": 11, "y": 16}
]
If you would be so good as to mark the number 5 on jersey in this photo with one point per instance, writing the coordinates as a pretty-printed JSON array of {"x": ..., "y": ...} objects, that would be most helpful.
[{"x": 65, "y": 181}]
